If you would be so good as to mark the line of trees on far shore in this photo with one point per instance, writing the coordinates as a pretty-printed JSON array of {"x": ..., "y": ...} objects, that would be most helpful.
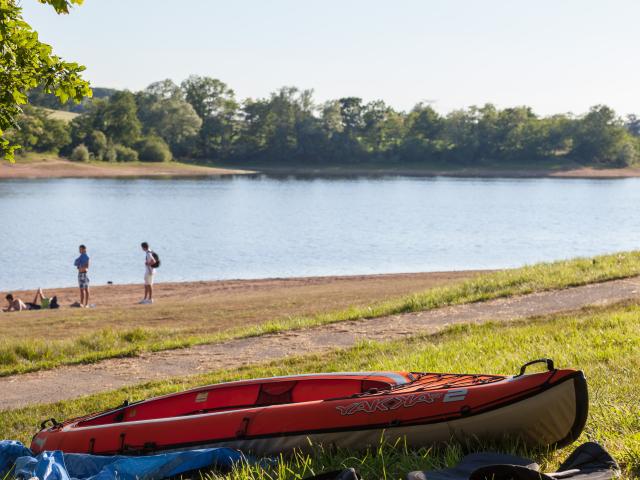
[{"x": 201, "y": 119}]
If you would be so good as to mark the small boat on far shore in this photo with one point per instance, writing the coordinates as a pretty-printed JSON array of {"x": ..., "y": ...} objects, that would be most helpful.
[{"x": 349, "y": 410}]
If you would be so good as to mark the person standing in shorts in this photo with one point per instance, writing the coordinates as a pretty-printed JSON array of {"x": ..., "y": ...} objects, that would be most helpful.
[
  {"x": 82, "y": 264},
  {"x": 149, "y": 272}
]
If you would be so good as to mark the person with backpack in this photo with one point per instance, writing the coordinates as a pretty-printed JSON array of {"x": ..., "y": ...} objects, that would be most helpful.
[{"x": 151, "y": 262}]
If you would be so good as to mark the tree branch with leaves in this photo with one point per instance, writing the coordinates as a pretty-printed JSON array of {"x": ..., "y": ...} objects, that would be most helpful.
[{"x": 26, "y": 63}]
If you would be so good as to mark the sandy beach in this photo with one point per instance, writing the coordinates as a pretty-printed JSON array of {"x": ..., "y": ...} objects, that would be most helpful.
[
  {"x": 60, "y": 168},
  {"x": 213, "y": 306}
]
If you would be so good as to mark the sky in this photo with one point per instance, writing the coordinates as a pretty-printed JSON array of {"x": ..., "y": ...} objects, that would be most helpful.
[{"x": 555, "y": 55}]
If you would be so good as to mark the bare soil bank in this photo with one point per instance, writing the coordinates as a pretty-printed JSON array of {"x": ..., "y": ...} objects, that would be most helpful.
[
  {"x": 60, "y": 168},
  {"x": 206, "y": 307}
]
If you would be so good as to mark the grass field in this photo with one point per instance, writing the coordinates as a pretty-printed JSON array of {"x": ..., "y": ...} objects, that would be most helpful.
[
  {"x": 605, "y": 343},
  {"x": 41, "y": 350},
  {"x": 199, "y": 309},
  {"x": 25, "y": 157},
  {"x": 63, "y": 115}
]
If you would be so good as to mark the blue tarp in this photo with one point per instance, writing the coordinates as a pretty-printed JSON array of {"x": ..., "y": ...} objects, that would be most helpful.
[{"x": 70, "y": 466}]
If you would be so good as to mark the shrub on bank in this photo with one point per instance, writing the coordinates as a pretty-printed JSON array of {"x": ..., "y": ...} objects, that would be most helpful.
[
  {"x": 110, "y": 154},
  {"x": 80, "y": 153},
  {"x": 125, "y": 154},
  {"x": 97, "y": 144},
  {"x": 153, "y": 149}
]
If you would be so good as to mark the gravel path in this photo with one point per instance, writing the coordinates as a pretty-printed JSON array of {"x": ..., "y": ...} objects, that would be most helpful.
[{"x": 74, "y": 381}]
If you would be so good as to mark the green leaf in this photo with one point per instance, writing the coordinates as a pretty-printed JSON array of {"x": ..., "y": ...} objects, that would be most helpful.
[{"x": 19, "y": 97}]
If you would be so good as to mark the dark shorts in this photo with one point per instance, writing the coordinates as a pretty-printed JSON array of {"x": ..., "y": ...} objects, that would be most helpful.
[
  {"x": 33, "y": 306},
  {"x": 83, "y": 280}
]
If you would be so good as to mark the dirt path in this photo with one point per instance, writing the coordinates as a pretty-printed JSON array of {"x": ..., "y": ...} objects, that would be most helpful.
[{"x": 70, "y": 382}]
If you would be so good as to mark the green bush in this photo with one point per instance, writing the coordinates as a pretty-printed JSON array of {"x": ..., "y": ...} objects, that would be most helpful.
[
  {"x": 80, "y": 154},
  {"x": 125, "y": 154},
  {"x": 110, "y": 154},
  {"x": 627, "y": 153},
  {"x": 97, "y": 144},
  {"x": 153, "y": 149}
]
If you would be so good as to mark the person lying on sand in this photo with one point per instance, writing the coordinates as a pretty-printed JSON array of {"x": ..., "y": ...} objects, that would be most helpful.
[{"x": 15, "y": 304}]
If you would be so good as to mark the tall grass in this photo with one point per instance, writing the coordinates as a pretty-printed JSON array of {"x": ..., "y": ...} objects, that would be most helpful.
[
  {"x": 605, "y": 343},
  {"x": 386, "y": 461},
  {"x": 20, "y": 355},
  {"x": 381, "y": 462}
]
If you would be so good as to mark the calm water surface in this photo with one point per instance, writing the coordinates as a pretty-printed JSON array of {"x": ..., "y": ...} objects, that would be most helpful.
[{"x": 251, "y": 227}]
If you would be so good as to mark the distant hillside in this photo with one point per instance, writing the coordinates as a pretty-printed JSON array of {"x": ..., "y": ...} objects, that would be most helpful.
[{"x": 47, "y": 100}]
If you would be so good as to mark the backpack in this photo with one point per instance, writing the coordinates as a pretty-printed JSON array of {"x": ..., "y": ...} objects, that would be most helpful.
[{"x": 156, "y": 258}]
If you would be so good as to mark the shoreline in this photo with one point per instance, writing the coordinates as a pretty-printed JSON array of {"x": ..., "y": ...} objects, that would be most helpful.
[
  {"x": 119, "y": 295},
  {"x": 573, "y": 173},
  {"x": 61, "y": 168},
  {"x": 55, "y": 167}
]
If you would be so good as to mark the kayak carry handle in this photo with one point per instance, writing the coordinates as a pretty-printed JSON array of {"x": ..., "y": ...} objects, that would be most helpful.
[
  {"x": 547, "y": 361},
  {"x": 54, "y": 423}
]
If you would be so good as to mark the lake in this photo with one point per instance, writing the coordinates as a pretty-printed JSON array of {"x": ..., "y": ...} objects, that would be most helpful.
[{"x": 263, "y": 226}]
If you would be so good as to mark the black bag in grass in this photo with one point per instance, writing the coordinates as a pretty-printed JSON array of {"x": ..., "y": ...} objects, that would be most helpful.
[
  {"x": 473, "y": 462},
  {"x": 588, "y": 462}
]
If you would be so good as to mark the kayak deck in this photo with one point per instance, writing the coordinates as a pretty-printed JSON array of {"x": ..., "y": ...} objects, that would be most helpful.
[{"x": 280, "y": 391}]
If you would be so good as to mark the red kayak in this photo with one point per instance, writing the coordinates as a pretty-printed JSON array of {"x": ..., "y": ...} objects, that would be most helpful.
[{"x": 350, "y": 410}]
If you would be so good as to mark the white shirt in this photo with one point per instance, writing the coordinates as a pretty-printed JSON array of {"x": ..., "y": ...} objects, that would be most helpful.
[{"x": 148, "y": 259}]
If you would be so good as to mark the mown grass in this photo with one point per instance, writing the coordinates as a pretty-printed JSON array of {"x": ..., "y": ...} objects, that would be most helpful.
[
  {"x": 23, "y": 156},
  {"x": 63, "y": 115},
  {"x": 605, "y": 343},
  {"x": 24, "y": 355}
]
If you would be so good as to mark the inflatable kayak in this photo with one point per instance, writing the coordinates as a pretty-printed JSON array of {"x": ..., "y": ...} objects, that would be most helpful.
[{"x": 350, "y": 410}]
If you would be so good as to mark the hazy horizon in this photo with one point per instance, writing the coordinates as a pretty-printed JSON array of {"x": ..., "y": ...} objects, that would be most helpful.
[{"x": 555, "y": 57}]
